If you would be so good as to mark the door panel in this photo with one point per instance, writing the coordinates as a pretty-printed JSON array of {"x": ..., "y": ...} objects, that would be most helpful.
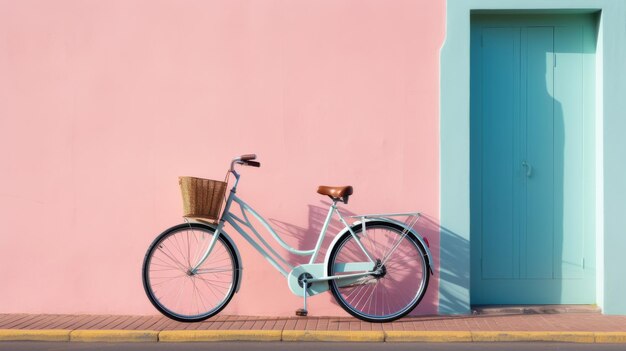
[
  {"x": 568, "y": 84},
  {"x": 501, "y": 68}
]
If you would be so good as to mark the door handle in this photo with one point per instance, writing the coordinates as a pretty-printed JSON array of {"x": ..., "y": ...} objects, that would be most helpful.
[{"x": 529, "y": 168}]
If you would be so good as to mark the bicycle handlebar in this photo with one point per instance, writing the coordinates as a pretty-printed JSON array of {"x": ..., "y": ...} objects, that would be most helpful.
[{"x": 245, "y": 160}]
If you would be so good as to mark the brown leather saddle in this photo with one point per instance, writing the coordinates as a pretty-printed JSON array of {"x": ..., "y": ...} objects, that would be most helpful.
[{"x": 337, "y": 193}]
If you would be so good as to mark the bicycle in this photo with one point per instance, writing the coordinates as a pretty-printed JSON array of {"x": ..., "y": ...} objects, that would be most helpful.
[{"x": 377, "y": 268}]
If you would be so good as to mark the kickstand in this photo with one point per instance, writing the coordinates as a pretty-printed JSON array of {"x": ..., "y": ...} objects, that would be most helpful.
[{"x": 302, "y": 312}]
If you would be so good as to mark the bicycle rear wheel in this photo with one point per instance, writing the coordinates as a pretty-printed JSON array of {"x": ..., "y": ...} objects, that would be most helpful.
[
  {"x": 399, "y": 287},
  {"x": 174, "y": 289}
]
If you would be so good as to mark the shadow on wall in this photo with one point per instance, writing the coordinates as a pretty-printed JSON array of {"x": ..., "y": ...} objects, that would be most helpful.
[
  {"x": 306, "y": 238},
  {"x": 454, "y": 250}
]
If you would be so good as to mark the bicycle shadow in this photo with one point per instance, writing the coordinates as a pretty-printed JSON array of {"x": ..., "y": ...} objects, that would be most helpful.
[{"x": 304, "y": 238}]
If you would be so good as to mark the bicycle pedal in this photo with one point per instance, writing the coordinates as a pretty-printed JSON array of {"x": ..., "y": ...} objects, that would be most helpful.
[{"x": 301, "y": 312}]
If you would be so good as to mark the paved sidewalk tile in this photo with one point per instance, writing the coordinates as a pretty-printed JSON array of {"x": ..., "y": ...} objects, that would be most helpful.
[{"x": 565, "y": 322}]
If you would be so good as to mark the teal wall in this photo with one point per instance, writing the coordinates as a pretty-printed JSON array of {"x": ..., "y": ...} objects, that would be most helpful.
[
  {"x": 610, "y": 147},
  {"x": 614, "y": 86}
]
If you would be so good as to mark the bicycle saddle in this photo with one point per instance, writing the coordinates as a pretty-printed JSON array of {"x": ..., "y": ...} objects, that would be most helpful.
[{"x": 336, "y": 192}]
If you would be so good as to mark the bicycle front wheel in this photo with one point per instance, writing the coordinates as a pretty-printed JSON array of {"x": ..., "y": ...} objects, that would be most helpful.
[
  {"x": 403, "y": 277},
  {"x": 174, "y": 289}
]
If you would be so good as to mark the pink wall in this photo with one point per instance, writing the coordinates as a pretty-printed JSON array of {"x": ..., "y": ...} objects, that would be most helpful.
[{"x": 104, "y": 103}]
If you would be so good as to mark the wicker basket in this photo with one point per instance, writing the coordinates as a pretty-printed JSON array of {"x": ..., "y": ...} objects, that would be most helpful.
[{"x": 202, "y": 198}]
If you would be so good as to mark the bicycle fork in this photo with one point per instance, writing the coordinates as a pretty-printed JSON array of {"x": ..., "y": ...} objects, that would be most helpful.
[
  {"x": 207, "y": 252},
  {"x": 218, "y": 230}
]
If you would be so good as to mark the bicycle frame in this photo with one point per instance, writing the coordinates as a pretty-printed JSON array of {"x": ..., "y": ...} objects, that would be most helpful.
[{"x": 266, "y": 250}]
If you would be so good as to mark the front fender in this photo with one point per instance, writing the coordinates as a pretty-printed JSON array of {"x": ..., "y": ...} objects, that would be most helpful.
[
  {"x": 230, "y": 241},
  {"x": 355, "y": 225}
]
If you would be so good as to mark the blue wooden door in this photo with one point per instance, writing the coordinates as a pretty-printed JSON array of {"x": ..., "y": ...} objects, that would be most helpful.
[{"x": 532, "y": 160}]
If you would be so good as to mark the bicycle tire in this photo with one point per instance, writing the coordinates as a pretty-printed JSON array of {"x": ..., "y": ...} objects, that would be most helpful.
[
  {"x": 176, "y": 262},
  {"x": 396, "y": 280}
]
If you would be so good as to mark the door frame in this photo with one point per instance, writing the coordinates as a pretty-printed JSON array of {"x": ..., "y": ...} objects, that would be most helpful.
[{"x": 454, "y": 296}]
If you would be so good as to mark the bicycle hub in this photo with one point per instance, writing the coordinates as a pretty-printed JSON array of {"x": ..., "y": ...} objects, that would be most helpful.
[{"x": 380, "y": 269}]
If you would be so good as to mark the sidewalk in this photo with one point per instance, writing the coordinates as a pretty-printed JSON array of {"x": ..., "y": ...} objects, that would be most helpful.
[{"x": 584, "y": 327}]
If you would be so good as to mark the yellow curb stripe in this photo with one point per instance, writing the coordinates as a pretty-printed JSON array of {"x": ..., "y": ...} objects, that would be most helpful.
[
  {"x": 304, "y": 335},
  {"x": 497, "y": 336},
  {"x": 428, "y": 336},
  {"x": 333, "y": 335},
  {"x": 610, "y": 337},
  {"x": 219, "y": 335},
  {"x": 34, "y": 335},
  {"x": 114, "y": 335}
]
